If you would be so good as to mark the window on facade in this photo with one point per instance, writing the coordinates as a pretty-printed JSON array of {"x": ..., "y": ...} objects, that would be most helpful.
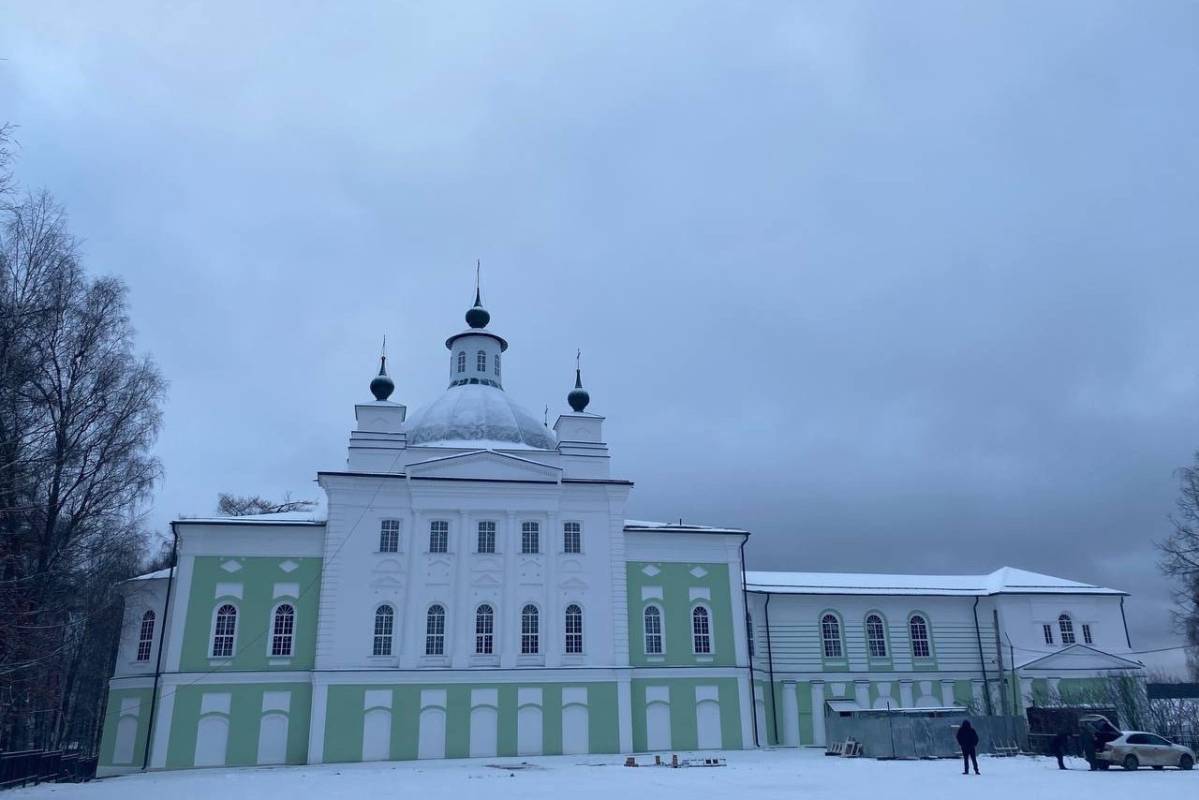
[
  {"x": 701, "y": 631},
  {"x": 484, "y": 630},
  {"x": 486, "y": 537},
  {"x": 435, "y": 631},
  {"x": 749, "y": 633},
  {"x": 876, "y": 636},
  {"x": 481, "y": 361},
  {"x": 918, "y": 630},
  {"x": 572, "y": 537},
  {"x": 529, "y": 644},
  {"x": 1047, "y": 630},
  {"x": 497, "y": 365},
  {"x": 224, "y": 631},
  {"x": 384, "y": 624},
  {"x": 439, "y": 536},
  {"x": 574, "y": 629},
  {"x": 653, "y": 631},
  {"x": 283, "y": 630},
  {"x": 830, "y": 636},
  {"x": 462, "y": 361},
  {"x": 530, "y": 537},
  {"x": 389, "y": 536},
  {"x": 1086, "y": 634},
  {"x": 1066, "y": 625},
  {"x": 145, "y": 637}
]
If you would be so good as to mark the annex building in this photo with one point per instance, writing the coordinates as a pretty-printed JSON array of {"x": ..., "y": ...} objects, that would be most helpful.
[{"x": 471, "y": 587}]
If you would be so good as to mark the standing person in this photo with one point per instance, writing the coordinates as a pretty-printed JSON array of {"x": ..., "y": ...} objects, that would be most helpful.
[
  {"x": 1058, "y": 747},
  {"x": 968, "y": 741}
]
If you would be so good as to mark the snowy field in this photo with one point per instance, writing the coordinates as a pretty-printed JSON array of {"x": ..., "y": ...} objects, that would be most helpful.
[{"x": 770, "y": 774}]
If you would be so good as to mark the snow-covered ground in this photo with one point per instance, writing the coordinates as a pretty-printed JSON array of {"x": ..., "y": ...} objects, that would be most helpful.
[{"x": 764, "y": 774}]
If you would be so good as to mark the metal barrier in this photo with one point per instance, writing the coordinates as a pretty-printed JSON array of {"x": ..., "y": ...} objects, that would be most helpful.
[
  {"x": 908, "y": 736},
  {"x": 45, "y": 766}
]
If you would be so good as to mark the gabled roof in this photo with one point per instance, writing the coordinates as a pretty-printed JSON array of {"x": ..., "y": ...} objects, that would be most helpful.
[
  {"x": 1080, "y": 658},
  {"x": 150, "y": 576},
  {"x": 1006, "y": 580},
  {"x": 644, "y": 526}
]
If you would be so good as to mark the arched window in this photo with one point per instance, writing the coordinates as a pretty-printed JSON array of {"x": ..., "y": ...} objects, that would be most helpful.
[
  {"x": 528, "y": 630},
  {"x": 435, "y": 631},
  {"x": 497, "y": 365},
  {"x": 749, "y": 633},
  {"x": 653, "y": 631},
  {"x": 224, "y": 631},
  {"x": 918, "y": 629},
  {"x": 283, "y": 630},
  {"x": 830, "y": 636},
  {"x": 145, "y": 637},
  {"x": 574, "y": 629},
  {"x": 701, "y": 631},
  {"x": 462, "y": 361},
  {"x": 876, "y": 636},
  {"x": 1066, "y": 626},
  {"x": 484, "y": 630},
  {"x": 481, "y": 361},
  {"x": 384, "y": 624}
]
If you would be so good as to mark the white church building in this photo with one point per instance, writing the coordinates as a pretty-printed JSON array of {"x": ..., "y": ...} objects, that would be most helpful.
[{"x": 471, "y": 588}]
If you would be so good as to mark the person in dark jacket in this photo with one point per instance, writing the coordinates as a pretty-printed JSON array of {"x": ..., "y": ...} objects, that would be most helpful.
[
  {"x": 968, "y": 741},
  {"x": 1057, "y": 746}
]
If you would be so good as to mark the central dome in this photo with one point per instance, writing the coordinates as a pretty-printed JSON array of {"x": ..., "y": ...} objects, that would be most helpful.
[{"x": 477, "y": 415}]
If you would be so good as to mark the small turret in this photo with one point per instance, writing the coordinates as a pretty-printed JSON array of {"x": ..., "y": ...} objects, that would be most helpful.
[
  {"x": 578, "y": 397},
  {"x": 382, "y": 385}
]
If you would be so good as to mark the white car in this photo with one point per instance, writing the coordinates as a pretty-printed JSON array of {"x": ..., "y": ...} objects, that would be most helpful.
[{"x": 1135, "y": 749}]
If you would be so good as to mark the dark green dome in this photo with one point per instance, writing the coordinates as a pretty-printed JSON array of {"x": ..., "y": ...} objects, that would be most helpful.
[
  {"x": 477, "y": 316},
  {"x": 382, "y": 386},
  {"x": 578, "y": 397}
]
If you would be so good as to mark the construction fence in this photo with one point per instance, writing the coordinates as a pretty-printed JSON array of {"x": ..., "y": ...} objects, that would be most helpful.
[{"x": 899, "y": 735}]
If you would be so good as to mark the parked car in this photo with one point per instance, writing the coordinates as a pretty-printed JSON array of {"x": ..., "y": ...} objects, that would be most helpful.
[{"x": 1135, "y": 749}]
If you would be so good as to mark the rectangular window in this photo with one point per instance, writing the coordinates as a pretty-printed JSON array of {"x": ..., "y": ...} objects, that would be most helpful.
[
  {"x": 530, "y": 537},
  {"x": 572, "y": 537},
  {"x": 1086, "y": 634},
  {"x": 389, "y": 536},
  {"x": 439, "y": 536},
  {"x": 1047, "y": 629},
  {"x": 486, "y": 537}
]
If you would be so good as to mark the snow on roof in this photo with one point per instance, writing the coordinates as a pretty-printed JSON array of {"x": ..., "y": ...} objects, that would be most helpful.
[
  {"x": 1006, "y": 580},
  {"x": 316, "y": 515},
  {"x": 150, "y": 576},
  {"x": 675, "y": 527}
]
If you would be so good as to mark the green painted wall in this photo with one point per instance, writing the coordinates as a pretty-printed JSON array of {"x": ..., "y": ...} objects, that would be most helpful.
[
  {"x": 683, "y": 723},
  {"x": 676, "y": 581},
  {"x": 245, "y": 715},
  {"x": 258, "y": 577},
  {"x": 345, "y": 712},
  {"x": 112, "y": 714}
]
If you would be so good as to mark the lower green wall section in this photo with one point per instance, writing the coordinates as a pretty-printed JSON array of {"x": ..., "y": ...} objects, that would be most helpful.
[
  {"x": 112, "y": 715},
  {"x": 245, "y": 717},
  {"x": 345, "y": 713},
  {"x": 684, "y": 724}
]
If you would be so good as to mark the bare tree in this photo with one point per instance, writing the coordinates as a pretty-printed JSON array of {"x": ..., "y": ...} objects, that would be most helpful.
[
  {"x": 1180, "y": 560},
  {"x": 79, "y": 412},
  {"x": 231, "y": 505}
]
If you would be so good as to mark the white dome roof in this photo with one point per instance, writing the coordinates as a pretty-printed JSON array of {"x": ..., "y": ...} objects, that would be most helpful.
[{"x": 477, "y": 415}]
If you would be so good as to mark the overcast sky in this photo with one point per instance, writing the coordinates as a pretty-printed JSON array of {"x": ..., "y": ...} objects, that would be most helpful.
[{"x": 896, "y": 286}]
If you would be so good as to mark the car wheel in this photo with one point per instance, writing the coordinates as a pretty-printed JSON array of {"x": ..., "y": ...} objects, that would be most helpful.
[
  {"x": 1131, "y": 762},
  {"x": 1186, "y": 762}
]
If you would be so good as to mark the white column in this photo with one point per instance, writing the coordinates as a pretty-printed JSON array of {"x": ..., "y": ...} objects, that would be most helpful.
[
  {"x": 947, "y": 693},
  {"x": 861, "y": 693},
  {"x": 508, "y": 617},
  {"x": 744, "y": 697},
  {"x": 790, "y": 715},
  {"x": 162, "y": 727},
  {"x": 977, "y": 688},
  {"x": 408, "y": 642},
  {"x": 553, "y": 624},
  {"x": 624, "y": 703},
  {"x": 316, "y": 724},
  {"x": 458, "y": 616},
  {"x": 818, "y": 735},
  {"x": 905, "y": 694}
]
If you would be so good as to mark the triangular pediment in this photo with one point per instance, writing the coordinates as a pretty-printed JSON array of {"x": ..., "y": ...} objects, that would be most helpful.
[
  {"x": 484, "y": 465},
  {"x": 1080, "y": 658}
]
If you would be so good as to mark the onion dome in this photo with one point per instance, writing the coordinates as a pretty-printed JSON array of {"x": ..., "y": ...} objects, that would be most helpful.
[
  {"x": 476, "y": 315},
  {"x": 578, "y": 397},
  {"x": 382, "y": 386}
]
